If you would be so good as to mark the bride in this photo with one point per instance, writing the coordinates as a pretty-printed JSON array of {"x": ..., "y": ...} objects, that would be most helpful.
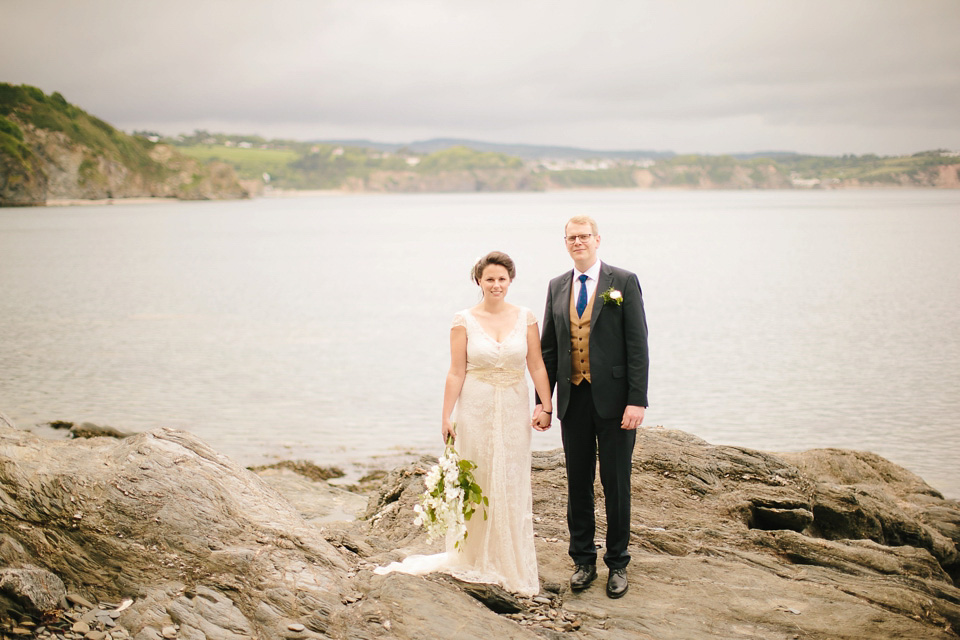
[{"x": 490, "y": 345}]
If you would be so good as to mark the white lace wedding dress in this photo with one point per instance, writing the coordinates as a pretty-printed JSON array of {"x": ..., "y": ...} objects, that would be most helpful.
[{"x": 493, "y": 430}]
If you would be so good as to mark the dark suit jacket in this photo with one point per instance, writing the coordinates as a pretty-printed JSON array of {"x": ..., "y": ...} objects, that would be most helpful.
[{"x": 619, "y": 361}]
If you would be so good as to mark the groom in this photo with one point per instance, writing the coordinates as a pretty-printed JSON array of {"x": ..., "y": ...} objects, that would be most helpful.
[{"x": 595, "y": 349}]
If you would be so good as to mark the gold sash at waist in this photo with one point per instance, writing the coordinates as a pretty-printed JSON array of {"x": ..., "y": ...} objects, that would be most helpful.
[{"x": 497, "y": 377}]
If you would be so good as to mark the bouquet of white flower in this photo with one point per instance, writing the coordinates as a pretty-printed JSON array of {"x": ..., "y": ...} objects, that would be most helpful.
[{"x": 451, "y": 497}]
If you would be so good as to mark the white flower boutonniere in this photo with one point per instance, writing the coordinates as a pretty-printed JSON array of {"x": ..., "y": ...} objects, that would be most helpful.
[
  {"x": 452, "y": 496},
  {"x": 612, "y": 296}
]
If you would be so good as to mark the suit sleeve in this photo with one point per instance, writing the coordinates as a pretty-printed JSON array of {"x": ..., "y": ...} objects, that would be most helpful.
[
  {"x": 635, "y": 338},
  {"x": 548, "y": 342}
]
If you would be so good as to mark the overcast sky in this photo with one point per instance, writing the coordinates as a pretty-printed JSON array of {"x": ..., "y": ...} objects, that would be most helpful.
[{"x": 690, "y": 76}]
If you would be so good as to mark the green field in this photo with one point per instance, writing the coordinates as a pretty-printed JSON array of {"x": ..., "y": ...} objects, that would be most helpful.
[{"x": 249, "y": 163}]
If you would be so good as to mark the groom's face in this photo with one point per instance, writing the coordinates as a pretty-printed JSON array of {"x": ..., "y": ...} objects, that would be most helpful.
[{"x": 583, "y": 249}]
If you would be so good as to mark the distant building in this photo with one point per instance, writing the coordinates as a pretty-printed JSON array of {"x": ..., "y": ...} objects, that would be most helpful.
[{"x": 804, "y": 183}]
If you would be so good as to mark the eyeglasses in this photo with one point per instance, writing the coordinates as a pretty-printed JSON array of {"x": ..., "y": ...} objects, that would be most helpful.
[{"x": 583, "y": 237}]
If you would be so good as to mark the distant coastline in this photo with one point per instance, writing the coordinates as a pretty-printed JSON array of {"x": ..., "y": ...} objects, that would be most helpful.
[
  {"x": 53, "y": 153},
  {"x": 284, "y": 194}
]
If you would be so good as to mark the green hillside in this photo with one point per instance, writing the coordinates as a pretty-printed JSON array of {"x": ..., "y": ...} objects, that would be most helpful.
[
  {"x": 51, "y": 149},
  {"x": 53, "y": 113}
]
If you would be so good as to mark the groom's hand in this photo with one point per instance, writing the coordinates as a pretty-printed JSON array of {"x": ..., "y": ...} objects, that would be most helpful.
[
  {"x": 632, "y": 417},
  {"x": 541, "y": 420}
]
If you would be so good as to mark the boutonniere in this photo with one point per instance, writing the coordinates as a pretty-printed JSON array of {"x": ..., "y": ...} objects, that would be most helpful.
[{"x": 612, "y": 296}]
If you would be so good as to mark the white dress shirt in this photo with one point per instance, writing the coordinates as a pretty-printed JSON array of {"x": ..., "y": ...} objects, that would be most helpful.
[{"x": 593, "y": 274}]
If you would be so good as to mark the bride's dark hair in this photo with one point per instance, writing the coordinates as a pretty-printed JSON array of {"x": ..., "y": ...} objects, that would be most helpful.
[{"x": 494, "y": 257}]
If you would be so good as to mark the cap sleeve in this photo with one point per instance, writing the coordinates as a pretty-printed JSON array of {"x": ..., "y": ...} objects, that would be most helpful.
[
  {"x": 531, "y": 319},
  {"x": 458, "y": 320}
]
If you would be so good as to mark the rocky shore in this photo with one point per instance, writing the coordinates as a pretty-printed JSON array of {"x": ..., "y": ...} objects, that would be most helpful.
[{"x": 156, "y": 535}]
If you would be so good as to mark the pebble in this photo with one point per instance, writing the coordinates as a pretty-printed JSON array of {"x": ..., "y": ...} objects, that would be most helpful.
[
  {"x": 94, "y": 622},
  {"x": 542, "y": 600},
  {"x": 296, "y": 626}
]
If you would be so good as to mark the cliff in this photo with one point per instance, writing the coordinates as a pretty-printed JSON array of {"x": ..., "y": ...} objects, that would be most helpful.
[
  {"x": 51, "y": 150},
  {"x": 176, "y": 541}
]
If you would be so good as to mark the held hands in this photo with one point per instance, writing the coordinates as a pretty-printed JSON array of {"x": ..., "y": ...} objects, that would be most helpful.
[
  {"x": 632, "y": 417},
  {"x": 541, "y": 419}
]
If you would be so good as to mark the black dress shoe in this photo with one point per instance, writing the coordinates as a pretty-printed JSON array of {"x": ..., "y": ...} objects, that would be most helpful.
[
  {"x": 617, "y": 583},
  {"x": 583, "y": 576}
]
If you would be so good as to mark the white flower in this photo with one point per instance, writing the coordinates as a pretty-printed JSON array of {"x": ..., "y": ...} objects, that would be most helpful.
[
  {"x": 612, "y": 296},
  {"x": 450, "y": 499}
]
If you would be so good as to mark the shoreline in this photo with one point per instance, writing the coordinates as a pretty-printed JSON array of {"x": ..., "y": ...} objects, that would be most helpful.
[
  {"x": 283, "y": 194},
  {"x": 355, "y": 466},
  {"x": 80, "y": 202}
]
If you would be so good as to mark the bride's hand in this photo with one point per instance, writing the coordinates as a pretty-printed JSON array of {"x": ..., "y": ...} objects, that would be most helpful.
[
  {"x": 448, "y": 432},
  {"x": 542, "y": 421}
]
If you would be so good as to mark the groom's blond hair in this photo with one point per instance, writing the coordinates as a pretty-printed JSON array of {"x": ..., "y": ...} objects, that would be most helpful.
[{"x": 583, "y": 220}]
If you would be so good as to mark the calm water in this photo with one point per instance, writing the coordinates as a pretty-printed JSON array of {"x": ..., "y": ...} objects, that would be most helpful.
[{"x": 317, "y": 328}]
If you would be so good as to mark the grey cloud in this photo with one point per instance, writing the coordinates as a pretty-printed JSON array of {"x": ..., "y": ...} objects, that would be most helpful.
[{"x": 637, "y": 74}]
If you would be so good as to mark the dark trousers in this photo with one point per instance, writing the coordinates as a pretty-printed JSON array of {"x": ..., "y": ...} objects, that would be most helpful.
[{"x": 586, "y": 437}]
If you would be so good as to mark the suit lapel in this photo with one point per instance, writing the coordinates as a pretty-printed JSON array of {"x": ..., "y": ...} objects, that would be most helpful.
[
  {"x": 562, "y": 299},
  {"x": 604, "y": 282}
]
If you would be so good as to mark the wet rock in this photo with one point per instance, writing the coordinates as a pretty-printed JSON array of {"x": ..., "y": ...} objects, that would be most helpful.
[
  {"x": 91, "y": 430},
  {"x": 303, "y": 468}
]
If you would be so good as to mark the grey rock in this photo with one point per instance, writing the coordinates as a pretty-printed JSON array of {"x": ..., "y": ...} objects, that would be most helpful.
[
  {"x": 35, "y": 589},
  {"x": 160, "y": 508}
]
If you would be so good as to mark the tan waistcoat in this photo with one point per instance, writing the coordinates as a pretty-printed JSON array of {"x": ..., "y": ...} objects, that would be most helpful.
[{"x": 580, "y": 339}]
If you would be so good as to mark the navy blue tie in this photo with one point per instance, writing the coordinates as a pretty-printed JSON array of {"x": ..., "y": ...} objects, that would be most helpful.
[{"x": 582, "y": 297}]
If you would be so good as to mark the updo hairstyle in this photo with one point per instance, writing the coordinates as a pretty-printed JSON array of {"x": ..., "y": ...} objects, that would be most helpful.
[{"x": 494, "y": 257}]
